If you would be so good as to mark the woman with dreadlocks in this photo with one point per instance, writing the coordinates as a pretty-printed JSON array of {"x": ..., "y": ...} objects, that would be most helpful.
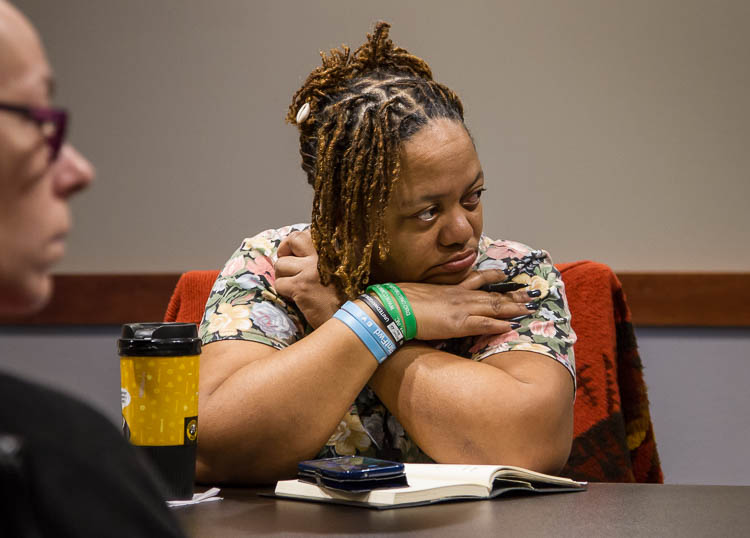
[{"x": 366, "y": 332}]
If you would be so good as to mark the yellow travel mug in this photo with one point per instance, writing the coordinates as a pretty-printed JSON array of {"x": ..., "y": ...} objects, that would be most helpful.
[{"x": 159, "y": 365}]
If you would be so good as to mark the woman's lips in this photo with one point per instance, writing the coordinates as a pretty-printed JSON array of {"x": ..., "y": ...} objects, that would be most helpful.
[
  {"x": 56, "y": 248},
  {"x": 459, "y": 264}
]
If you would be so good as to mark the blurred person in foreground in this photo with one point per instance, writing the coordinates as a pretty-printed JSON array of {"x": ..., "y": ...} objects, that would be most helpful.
[{"x": 65, "y": 470}]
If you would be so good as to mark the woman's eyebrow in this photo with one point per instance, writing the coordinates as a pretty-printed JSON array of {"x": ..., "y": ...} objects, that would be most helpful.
[{"x": 432, "y": 196}]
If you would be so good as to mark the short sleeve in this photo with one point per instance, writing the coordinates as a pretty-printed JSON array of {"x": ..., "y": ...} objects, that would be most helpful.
[
  {"x": 243, "y": 304},
  {"x": 547, "y": 330}
]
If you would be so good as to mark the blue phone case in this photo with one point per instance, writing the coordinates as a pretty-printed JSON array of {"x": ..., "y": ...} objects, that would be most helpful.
[{"x": 352, "y": 473}]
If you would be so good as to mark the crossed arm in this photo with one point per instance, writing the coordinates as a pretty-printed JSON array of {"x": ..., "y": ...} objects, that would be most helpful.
[
  {"x": 263, "y": 410},
  {"x": 513, "y": 408}
]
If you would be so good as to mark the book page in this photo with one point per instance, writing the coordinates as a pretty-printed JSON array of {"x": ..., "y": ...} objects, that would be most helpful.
[
  {"x": 509, "y": 471},
  {"x": 455, "y": 473},
  {"x": 480, "y": 474},
  {"x": 423, "y": 489}
]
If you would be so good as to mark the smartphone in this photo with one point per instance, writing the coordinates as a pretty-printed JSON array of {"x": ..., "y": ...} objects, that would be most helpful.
[
  {"x": 352, "y": 473},
  {"x": 503, "y": 287},
  {"x": 351, "y": 467}
]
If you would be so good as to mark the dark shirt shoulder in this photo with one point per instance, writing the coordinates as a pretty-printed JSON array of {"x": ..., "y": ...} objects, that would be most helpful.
[{"x": 79, "y": 476}]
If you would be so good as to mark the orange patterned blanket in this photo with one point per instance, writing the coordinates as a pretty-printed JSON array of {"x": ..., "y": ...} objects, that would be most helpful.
[{"x": 613, "y": 435}]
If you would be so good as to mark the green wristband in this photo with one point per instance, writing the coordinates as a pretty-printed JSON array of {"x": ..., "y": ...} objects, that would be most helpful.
[
  {"x": 410, "y": 321},
  {"x": 389, "y": 305}
]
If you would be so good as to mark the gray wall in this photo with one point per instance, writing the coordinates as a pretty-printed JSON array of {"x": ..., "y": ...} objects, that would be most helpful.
[
  {"x": 697, "y": 381},
  {"x": 608, "y": 130}
]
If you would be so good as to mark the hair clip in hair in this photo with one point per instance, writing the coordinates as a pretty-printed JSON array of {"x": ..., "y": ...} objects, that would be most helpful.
[{"x": 303, "y": 113}]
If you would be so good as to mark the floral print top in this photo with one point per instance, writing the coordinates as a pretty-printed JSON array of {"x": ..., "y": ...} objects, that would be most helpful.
[{"x": 243, "y": 305}]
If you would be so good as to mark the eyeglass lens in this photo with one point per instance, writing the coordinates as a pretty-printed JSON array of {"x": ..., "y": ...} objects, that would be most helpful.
[{"x": 53, "y": 123}]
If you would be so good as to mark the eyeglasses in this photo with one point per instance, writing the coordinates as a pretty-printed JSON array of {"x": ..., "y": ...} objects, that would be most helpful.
[{"x": 53, "y": 123}]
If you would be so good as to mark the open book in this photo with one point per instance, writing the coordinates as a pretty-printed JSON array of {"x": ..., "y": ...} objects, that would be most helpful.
[{"x": 431, "y": 483}]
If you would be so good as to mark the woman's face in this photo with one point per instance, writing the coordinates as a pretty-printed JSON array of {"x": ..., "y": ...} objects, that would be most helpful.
[
  {"x": 34, "y": 193},
  {"x": 434, "y": 219}
]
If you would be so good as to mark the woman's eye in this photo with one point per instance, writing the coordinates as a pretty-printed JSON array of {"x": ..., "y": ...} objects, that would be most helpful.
[
  {"x": 428, "y": 214},
  {"x": 474, "y": 197}
]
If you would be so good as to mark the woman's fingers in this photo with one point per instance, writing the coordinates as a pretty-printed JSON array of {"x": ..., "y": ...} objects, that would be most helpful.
[
  {"x": 478, "y": 325},
  {"x": 524, "y": 296},
  {"x": 288, "y": 266},
  {"x": 501, "y": 305},
  {"x": 285, "y": 247},
  {"x": 297, "y": 244},
  {"x": 294, "y": 254},
  {"x": 453, "y": 311},
  {"x": 477, "y": 279}
]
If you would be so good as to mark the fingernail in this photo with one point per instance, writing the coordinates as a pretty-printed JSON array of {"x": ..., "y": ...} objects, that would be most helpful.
[
  {"x": 515, "y": 325},
  {"x": 534, "y": 293},
  {"x": 532, "y": 306}
]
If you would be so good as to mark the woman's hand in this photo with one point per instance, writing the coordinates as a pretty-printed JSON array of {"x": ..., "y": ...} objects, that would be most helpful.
[
  {"x": 465, "y": 310},
  {"x": 297, "y": 279}
]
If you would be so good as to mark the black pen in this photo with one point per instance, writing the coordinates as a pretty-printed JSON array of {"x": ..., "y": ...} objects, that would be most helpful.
[{"x": 504, "y": 287}]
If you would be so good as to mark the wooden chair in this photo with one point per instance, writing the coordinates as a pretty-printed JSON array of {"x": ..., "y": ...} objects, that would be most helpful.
[{"x": 613, "y": 433}]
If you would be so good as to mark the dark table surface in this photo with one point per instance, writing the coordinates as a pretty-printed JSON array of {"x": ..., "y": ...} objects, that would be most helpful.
[{"x": 604, "y": 510}]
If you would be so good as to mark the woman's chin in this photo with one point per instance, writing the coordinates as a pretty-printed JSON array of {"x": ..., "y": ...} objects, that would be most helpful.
[{"x": 26, "y": 297}]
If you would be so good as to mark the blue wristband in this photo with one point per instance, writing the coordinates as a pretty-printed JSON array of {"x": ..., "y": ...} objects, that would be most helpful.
[
  {"x": 379, "y": 310},
  {"x": 383, "y": 339},
  {"x": 362, "y": 333}
]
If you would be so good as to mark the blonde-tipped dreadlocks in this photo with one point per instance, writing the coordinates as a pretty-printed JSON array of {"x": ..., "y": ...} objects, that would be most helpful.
[{"x": 363, "y": 106}]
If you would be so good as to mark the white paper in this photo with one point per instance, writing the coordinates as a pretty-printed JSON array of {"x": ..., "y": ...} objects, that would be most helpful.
[{"x": 206, "y": 496}]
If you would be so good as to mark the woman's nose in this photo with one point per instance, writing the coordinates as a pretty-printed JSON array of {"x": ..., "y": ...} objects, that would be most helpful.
[
  {"x": 73, "y": 172},
  {"x": 457, "y": 229}
]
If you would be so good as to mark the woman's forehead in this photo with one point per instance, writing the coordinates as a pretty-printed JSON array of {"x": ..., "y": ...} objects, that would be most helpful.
[
  {"x": 25, "y": 74},
  {"x": 434, "y": 141},
  {"x": 437, "y": 160}
]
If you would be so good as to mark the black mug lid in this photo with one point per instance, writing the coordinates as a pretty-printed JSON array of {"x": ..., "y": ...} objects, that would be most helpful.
[{"x": 159, "y": 339}]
